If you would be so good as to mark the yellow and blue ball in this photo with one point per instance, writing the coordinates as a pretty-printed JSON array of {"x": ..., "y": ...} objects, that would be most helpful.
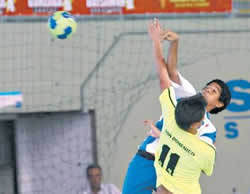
[{"x": 62, "y": 24}]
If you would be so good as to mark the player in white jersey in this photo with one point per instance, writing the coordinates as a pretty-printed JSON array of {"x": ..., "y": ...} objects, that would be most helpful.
[{"x": 141, "y": 176}]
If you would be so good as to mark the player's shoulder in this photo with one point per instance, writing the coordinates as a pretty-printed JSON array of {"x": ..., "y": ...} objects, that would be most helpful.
[
  {"x": 208, "y": 137},
  {"x": 167, "y": 91},
  {"x": 207, "y": 132},
  {"x": 206, "y": 148},
  {"x": 167, "y": 94},
  {"x": 207, "y": 126}
]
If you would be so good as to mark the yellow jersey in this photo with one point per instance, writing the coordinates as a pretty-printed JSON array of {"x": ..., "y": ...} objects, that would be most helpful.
[{"x": 181, "y": 156}]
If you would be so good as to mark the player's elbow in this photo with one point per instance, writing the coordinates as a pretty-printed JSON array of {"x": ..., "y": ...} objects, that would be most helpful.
[
  {"x": 164, "y": 84},
  {"x": 208, "y": 173}
]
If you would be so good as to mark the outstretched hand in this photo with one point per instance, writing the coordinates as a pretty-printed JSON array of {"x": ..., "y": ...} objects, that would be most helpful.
[
  {"x": 154, "y": 30},
  {"x": 148, "y": 123},
  {"x": 169, "y": 35},
  {"x": 154, "y": 131}
]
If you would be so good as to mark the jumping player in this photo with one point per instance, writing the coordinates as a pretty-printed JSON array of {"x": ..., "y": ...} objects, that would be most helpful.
[
  {"x": 141, "y": 175},
  {"x": 181, "y": 156}
]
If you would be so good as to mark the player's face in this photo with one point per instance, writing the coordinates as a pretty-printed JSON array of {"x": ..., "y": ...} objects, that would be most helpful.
[
  {"x": 95, "y": 177},
  {"x": 212, "y": 94}
]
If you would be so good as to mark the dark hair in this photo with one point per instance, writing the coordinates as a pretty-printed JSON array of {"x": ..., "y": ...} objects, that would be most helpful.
[
  {"x": 190, "y": 110},
  {"x": 91, "y": 166},
  {"x": 225, "y": 95}
]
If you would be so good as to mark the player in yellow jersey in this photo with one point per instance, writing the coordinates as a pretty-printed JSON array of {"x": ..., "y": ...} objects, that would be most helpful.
[{"x": 181, "y": 155}]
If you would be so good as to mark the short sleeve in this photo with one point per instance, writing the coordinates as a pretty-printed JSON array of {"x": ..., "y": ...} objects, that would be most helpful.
[
  {"x": 209, "y": 161},
  {"x": 185, "y": 89},
  {"x": 168, "y": 102},
  {"x": 159, "y": 124}
]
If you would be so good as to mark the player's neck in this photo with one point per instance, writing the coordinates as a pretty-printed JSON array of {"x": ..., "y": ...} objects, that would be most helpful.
[{"x": 209, "y": 108}]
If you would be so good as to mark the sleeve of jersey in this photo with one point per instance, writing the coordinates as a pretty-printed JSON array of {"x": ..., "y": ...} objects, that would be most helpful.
[
  {"x": 168, "y": 102},
  {"x": 209, "y": 137},
  {"x": 159, "y": 124},
  {"x": 209, "y": 161},
  {"x": 184, "y": 89},
  {"x": 207, "y": 132}
]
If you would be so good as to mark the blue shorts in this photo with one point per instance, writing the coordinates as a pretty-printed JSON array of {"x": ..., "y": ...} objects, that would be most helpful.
[{"x": 140, "y": 177}]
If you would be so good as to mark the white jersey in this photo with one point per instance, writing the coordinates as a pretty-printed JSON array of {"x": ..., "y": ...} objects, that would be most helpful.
[{"x": 207, "y": 132}]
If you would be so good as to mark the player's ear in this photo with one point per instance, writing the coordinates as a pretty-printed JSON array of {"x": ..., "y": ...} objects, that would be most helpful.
[
  {"x": 194, "y": 127},
  {"x": 219, "y": 104}
]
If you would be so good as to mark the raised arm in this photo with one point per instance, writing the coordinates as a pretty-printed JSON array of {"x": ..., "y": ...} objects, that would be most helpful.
[
  {"x": 155, "y": 34},
  {"x": 172, "y": 58}
]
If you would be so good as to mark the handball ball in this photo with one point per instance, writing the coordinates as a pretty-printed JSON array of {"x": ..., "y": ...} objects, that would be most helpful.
[{"x": 62, "y": 24}]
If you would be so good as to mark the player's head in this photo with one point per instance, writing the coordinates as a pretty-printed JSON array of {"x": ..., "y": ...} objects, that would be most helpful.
[
  {"x": 217, "y": 95},
  {"x": 190, "y": 111},
  {"x": 94, "y": 175}
]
